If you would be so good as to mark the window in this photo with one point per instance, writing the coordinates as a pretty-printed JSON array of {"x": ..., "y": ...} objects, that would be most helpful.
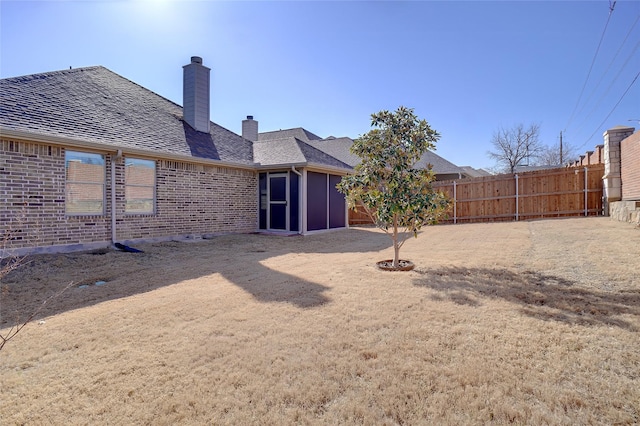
[
  {"x": 139, "y": 186},
  {"x": 84, "y": 184}
]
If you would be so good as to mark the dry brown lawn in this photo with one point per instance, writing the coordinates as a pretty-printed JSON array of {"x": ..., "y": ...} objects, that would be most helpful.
[{"x": 528, "y": 323}]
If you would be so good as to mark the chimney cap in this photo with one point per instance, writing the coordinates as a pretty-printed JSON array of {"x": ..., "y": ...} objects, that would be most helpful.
[
  {"x": 196, "y": 60},
  {"x": 249, "y": 117}
]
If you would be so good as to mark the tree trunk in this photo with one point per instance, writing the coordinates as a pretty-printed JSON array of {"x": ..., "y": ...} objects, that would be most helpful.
[{"x": 396, "y": 245}]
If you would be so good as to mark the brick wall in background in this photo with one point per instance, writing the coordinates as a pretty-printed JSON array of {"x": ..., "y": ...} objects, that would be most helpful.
[{"x": 630, "y": 167}]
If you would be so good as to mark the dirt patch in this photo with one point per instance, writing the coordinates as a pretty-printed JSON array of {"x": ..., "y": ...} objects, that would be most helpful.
[{"x": 529, "y": 322}]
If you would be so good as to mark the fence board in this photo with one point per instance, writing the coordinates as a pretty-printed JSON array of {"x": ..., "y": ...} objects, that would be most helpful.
[{"x": 538, "y": 194}]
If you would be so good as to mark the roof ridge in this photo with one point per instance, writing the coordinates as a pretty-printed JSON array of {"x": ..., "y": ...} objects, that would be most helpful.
[
  {"x": 85, "y": 69},
  {"x": 141, "y": 86},
  {"x": 56, "y": 72},
  {"x": 282, "y": 130}
]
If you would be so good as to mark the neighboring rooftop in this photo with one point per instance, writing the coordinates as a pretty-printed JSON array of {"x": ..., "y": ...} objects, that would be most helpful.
[
  {"x": 298, "y": 132},
  {"x": 471, "y": 172}
]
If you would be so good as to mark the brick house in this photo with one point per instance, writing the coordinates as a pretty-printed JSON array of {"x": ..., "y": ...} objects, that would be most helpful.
[{"x": 89, "y": 158}]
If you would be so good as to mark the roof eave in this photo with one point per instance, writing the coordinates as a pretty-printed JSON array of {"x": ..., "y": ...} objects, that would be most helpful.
[
  {"x": 79, "y": 143},
  {"x": 260, "y": 166},
  {"x": 307, "y": 165},
  {"x": 316, "y": 166}
]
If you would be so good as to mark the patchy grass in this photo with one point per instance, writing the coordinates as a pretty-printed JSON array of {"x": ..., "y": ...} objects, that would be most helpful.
[{"x": 530, "y": 322}]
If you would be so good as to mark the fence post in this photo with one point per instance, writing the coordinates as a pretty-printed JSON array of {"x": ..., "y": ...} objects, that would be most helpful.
[
  {"x": 517, "y": 189},
  {"x": 455, "y": 212},
  {"x": 586, "y": 183}
]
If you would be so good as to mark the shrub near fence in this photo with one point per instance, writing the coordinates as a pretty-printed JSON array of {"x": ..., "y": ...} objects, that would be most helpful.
[{"x": 563, "y": 192}]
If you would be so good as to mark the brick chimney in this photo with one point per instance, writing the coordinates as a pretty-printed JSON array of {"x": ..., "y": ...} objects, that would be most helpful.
[
  {"x": 250, "y": 129},
  {"x": 195, "y": 95}
]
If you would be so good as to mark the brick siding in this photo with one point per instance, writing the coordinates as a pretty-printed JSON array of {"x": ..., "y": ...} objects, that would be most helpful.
[
  {"x": 32, "y": 199},
  {"x": 630, "y": 167},
  {"x": 191, "y": 199}
]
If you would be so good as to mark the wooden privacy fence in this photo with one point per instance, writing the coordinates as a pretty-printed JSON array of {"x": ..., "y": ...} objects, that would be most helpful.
[
  {"x": 575, "y": 191},
  {"x": 563, "y": 192}
]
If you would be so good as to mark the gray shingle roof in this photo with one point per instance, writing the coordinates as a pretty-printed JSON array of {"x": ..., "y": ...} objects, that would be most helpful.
[
  {"x": 97, "y": 105},
  {"x": 290, "y": 150},
  {"x": 339, "y": 148},
  {"x": 439, "y": 164},
  {"x": 473, "y": 172},
  {"x": 298, "y": 133}
]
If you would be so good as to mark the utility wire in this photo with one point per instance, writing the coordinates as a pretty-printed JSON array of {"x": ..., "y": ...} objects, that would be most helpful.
[
  {"x": 610, "y": 64},
  {"x": 598, "y": 103},
  {"x": 611, "y": 112},
  {"x": 611, "y": 7}
]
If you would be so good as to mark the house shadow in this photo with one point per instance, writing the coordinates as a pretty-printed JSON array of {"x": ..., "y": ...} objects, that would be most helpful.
[
  {"x": 270, "y": 285},
  {"x": 542, "y": 296},
  {"x": 201, "y": 144},
  {"x": 240, "y": 259}
]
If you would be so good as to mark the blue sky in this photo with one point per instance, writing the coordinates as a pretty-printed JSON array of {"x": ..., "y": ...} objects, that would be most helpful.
[{"x": 468, "y": 68}]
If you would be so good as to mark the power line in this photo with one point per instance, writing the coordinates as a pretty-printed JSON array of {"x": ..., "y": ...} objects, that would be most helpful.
[
  {"x": 608, "y": 88},
  {"x": 611, "y": 64},
  {"x": 612, "y": 109},
  {"x": 611, "y": 7}
]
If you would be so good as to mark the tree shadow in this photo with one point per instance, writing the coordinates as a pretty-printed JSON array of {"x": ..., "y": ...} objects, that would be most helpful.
[
  {"x": 541, "y": 296},
  {"x": 240, "y": 259}
]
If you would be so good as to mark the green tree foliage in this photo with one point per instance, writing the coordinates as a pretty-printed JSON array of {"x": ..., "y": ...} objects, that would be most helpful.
[{"x": 399, "y": 198}]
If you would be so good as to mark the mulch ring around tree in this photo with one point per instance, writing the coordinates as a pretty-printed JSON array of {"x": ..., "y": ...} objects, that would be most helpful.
[{"x": 403, "y": 265}]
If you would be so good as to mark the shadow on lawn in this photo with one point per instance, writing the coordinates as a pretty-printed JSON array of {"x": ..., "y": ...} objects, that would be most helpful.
[
  {"x": 542, "y": 296},
  {"x": 237, "y": 258}
]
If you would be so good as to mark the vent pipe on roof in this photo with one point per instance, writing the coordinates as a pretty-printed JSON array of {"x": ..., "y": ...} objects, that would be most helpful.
[
  {"x": 195, "y": 94},
  {"x": 250, "y": 129}
]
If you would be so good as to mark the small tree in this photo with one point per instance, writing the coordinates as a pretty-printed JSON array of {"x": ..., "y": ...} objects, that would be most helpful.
[
  {"x": 399, "y": 198},
  {"x": 516, "y": 146}
]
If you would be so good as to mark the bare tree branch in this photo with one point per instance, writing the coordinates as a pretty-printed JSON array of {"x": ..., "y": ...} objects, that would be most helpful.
[
  {"x": 19, "y": 325},
  {"x": 516, "y": 146}
]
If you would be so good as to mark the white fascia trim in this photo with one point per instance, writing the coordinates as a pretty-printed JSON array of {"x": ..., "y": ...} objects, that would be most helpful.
[
  {"x": 320, "y": 168},
  {"x": 278, "y": 167},
  {"x": 328, "y": 169}
]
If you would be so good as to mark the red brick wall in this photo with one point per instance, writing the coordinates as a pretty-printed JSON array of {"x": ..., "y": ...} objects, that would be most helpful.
[
  {"x": 590, "y": 157},
  {"x": 32, "y": 199},
  {"x": 191, "y": 199},
  {"x": 630, "y": 167}
]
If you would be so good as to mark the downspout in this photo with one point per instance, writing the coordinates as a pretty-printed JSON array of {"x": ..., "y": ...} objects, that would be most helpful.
[
  {"x": 115, "y": 158},
  {"x": 293, "y": 169}
]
